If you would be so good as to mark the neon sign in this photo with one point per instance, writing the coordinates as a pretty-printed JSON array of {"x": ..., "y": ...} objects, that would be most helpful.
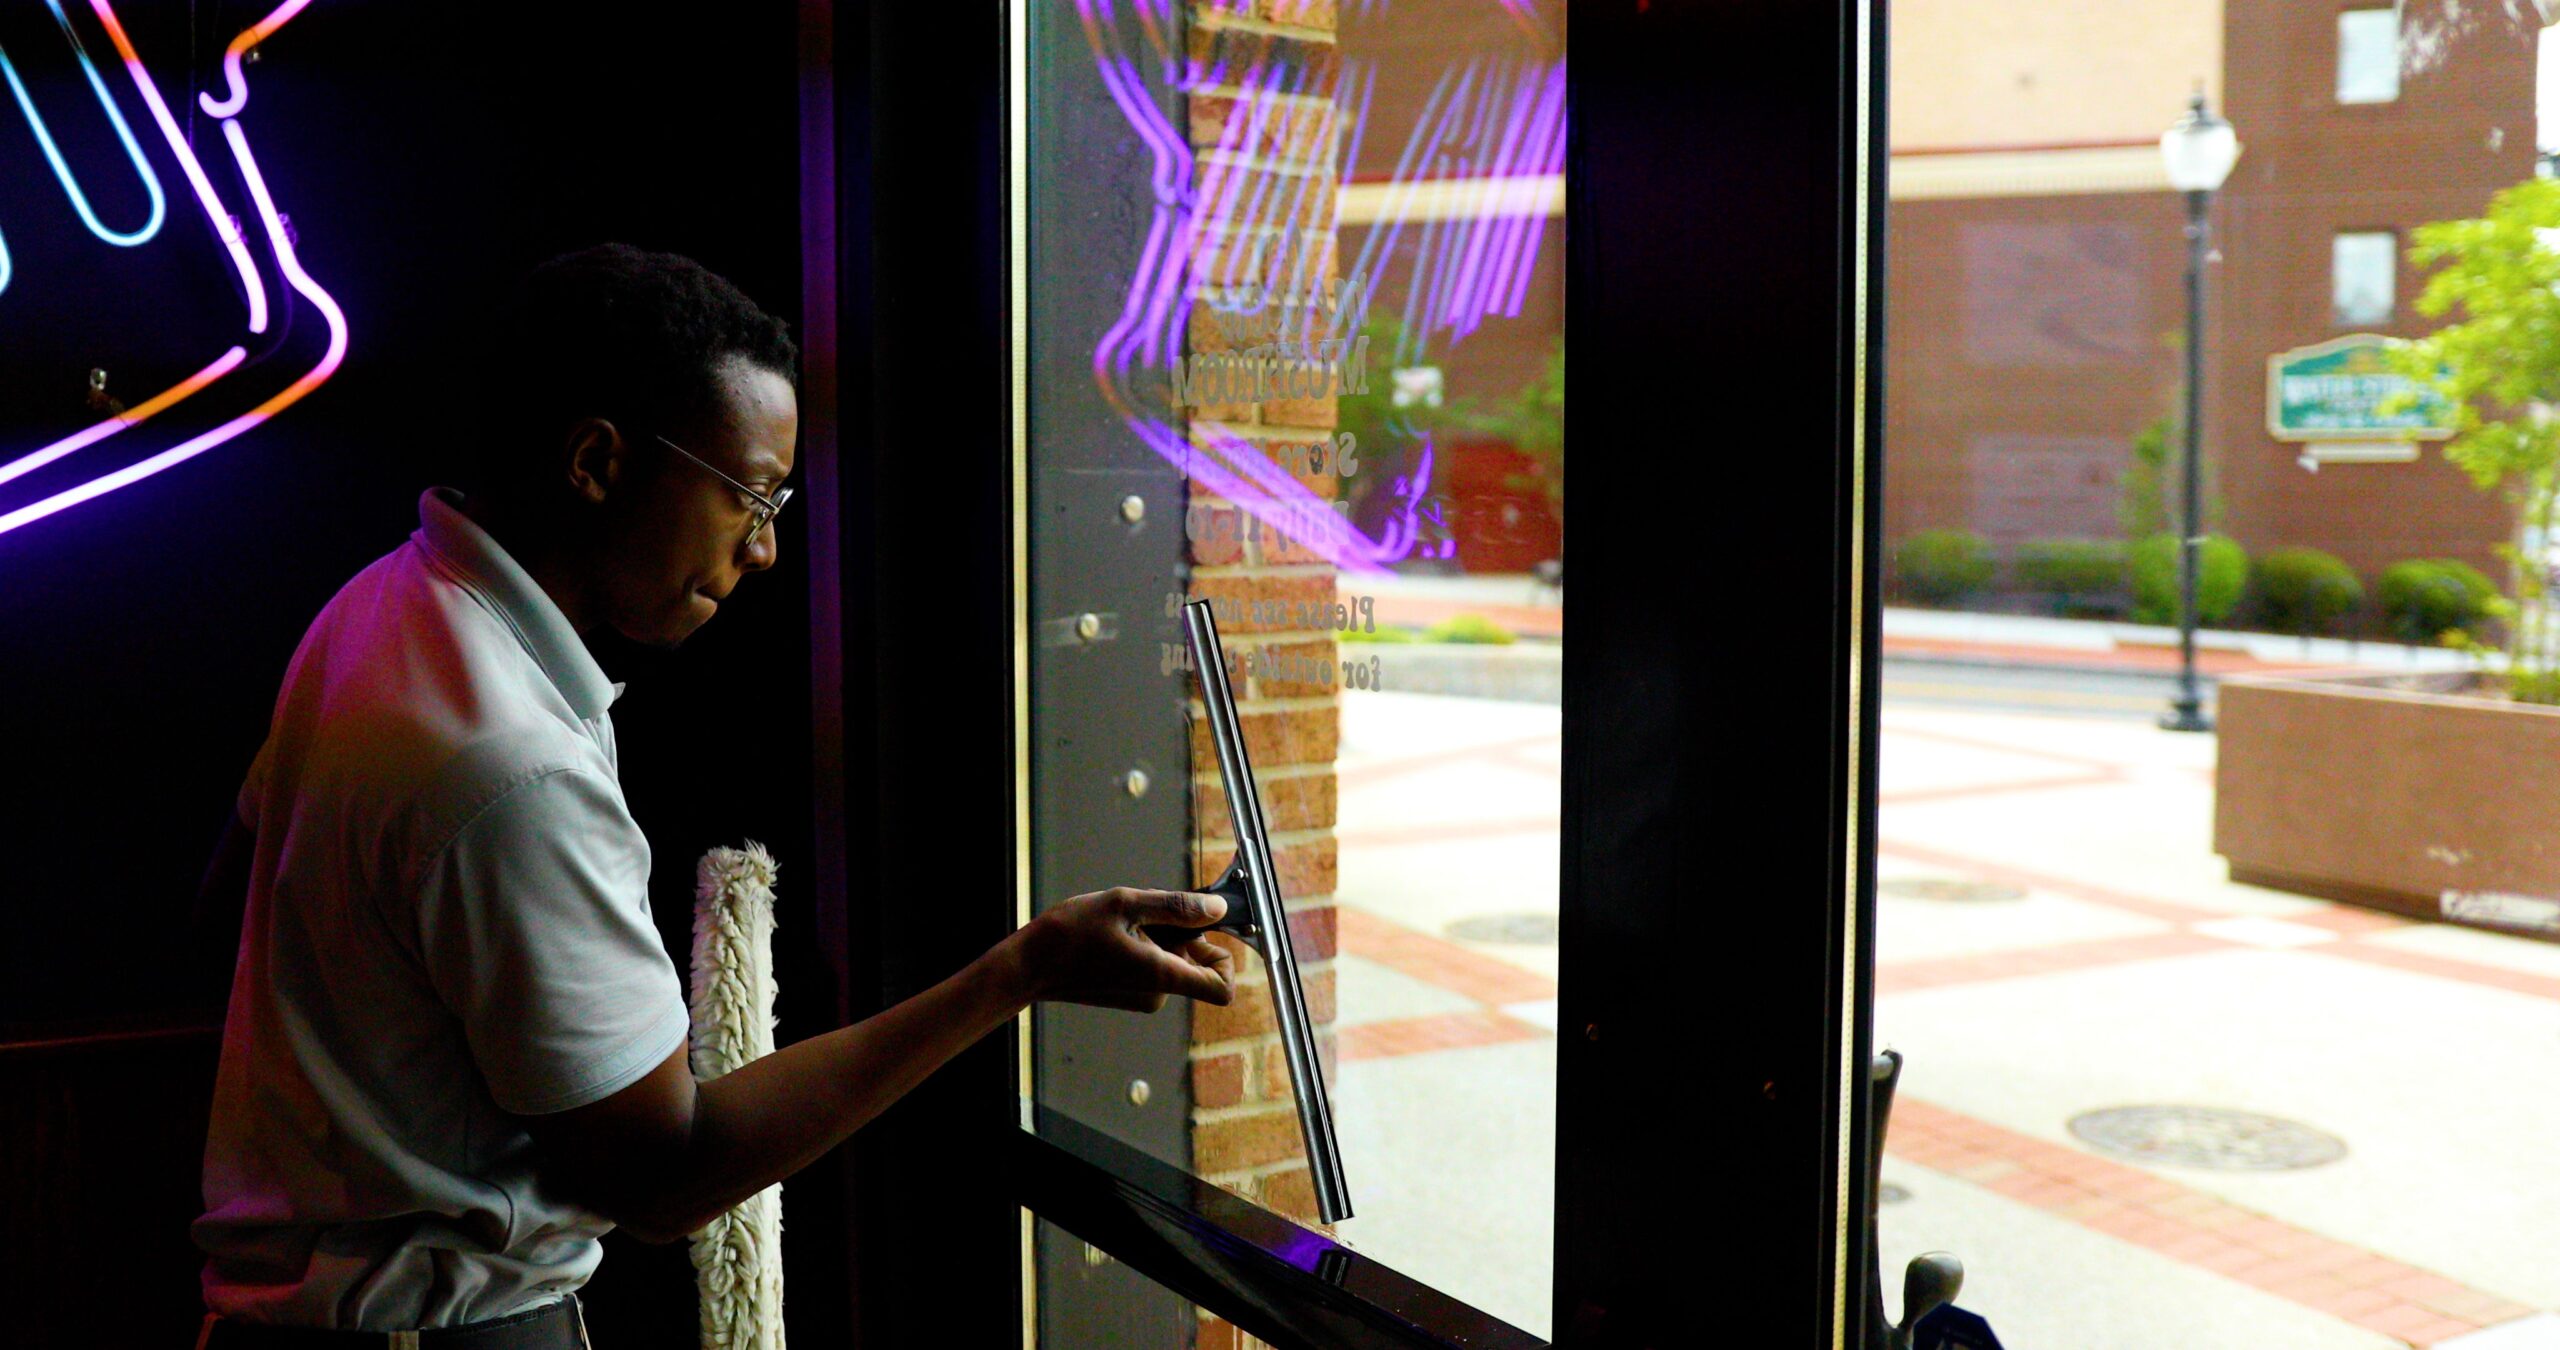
[
  {"x": 280, "y": 243},
  {"x": 53, "y": 153}
]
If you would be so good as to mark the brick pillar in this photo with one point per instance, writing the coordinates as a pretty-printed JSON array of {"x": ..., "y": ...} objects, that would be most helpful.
[{"x": 1265, "y": 181}]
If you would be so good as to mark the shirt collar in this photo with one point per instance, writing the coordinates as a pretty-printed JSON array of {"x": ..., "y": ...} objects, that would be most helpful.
[{"x": 527, "y": 608}]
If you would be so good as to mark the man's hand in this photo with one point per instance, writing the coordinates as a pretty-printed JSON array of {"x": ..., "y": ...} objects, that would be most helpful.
[{"x": 1093, "y": 949}]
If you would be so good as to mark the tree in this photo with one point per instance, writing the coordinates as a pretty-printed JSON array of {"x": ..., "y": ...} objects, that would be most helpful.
[
  {"x": 2147, "y": 491},
  {"x": 2499, "y": 369},
  {"x": 1531, "y": 421}
]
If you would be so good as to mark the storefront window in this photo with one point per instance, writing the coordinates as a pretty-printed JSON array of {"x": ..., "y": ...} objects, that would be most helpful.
[
  {"x": 1291, "y": 308},
  {"x": 2210, "y": 994}
]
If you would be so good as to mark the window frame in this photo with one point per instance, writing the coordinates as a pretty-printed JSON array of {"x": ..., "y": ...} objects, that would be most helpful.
[{"x": 1754, "y": 1064}]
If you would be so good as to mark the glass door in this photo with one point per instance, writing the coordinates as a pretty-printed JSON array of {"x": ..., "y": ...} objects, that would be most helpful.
[
  {"x": 1289, "y": 312},
  {"x": 1292, "y": 309}
]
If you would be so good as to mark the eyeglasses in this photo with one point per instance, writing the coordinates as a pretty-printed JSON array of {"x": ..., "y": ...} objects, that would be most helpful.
[{"x": 766, "y": 507}]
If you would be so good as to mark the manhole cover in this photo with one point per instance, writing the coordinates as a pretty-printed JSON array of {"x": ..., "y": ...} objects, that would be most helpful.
[
  {"x": 1890, "y": 1194},
  {"x": 2205, "y": 1136},
  {"x": 1524, "y": 929},
  {"x": 1950, "y": 888}
]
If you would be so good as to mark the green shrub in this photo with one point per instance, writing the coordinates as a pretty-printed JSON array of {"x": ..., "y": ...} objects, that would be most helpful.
[
  {"x": 2424, "y": 597},
  {"x": 2222, "y": 573},
  {"x": 1468, "y": 628},
  {"x": 1936, "y": 567},
  {"x": 2303, "y": 590},
  {"x": 1382, "y": 635},
  {"x": 2080, "y": 574}
]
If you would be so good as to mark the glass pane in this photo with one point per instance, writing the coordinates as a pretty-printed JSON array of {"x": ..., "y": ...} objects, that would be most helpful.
[
  {"x": 2360, "y": 269},
  {"x": 1093, "y": 1299},
  {"x": 1292, "y": 305},
  {"x": 2211, "y": 995},
  {"x": 2368, "y": 56}
]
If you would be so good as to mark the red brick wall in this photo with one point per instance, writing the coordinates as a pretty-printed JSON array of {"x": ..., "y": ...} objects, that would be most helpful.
[
  {"x": 1244, "y": 1120},
  {"x": 2035, "y": 320}
]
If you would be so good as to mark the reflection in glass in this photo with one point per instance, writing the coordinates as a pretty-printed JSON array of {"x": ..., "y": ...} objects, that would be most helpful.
[{"x": 1294, "y": 284}]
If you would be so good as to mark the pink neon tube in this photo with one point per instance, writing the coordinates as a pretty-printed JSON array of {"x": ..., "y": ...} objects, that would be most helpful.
[
  {"x": 133, "y": 416},
  {"x": 300, "y": 280},
  {"x": 257, "y": 290},
  {"x": 251, "y": 36}
]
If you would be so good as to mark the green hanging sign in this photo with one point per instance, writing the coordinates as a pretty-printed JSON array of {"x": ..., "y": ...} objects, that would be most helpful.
[{"x": 2333, "y": 391}]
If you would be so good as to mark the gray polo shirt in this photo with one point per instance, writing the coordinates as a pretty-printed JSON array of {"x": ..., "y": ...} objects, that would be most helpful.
[{"x": 448, "y": 920}]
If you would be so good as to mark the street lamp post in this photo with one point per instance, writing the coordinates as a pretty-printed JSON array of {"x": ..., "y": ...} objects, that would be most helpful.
[{"x": 2199, "y": 152}]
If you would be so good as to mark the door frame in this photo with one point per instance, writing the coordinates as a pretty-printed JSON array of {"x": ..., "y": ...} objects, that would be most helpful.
[{"x": 1719, "y": 729}]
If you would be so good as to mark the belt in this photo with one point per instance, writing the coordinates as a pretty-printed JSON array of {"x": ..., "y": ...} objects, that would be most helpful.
[{"x": 554, "y": 1326}]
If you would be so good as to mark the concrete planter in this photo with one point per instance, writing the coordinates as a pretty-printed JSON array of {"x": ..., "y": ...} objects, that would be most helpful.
[{"x": 2413, "y": 793}]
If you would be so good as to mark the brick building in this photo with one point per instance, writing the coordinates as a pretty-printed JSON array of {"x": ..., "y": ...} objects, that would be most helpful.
[{"x": 2036, "y": 261}]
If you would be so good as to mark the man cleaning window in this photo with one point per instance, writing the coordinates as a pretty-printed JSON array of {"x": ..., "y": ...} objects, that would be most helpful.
[{"x": 455, "y": 1050}]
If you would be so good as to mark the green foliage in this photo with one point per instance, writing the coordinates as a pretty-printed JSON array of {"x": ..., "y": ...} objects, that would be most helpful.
[
  {"x": 2499, "y": 367},
  {"x": 1531, "y": 420},
  {"x": 1469, "y": 628},
  {"x": 2147, "y": 490},
  {"x": 2425, "y": 598},
  {"x": 2222, "y": 573},
  {"x": 2082, "y": 575},
  {"x": 1937, "y": 567},
  {"x": 2303, "y": 590},
  {"x": 1388, "y": 438}
]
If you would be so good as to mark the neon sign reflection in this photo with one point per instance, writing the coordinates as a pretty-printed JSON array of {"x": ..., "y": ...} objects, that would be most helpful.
[{"x": 1216, "y": 209}]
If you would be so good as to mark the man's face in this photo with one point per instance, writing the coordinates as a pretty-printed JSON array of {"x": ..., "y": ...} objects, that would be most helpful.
[{"x": 680, "y": 547}]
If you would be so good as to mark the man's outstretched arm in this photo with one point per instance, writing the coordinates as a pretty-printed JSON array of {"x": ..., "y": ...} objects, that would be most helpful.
[{"x": 665, "y": 1156}]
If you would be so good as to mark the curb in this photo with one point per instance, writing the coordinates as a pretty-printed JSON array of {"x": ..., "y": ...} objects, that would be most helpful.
[
  {"x": 1511, "y": 673},
  {"x": 2057, "y": 667}
]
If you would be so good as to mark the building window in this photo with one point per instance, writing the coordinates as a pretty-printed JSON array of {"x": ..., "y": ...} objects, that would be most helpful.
[
  {"x": 2361, "y": 266},
  {"x": 2368, "y": 55}
]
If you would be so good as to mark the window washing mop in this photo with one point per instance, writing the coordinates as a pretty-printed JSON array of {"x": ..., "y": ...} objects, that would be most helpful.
[{"x": 737, "y": 1258}]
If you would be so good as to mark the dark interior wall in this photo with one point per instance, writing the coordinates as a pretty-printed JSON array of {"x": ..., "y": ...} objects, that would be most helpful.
[{"x": 426, "y": 156}]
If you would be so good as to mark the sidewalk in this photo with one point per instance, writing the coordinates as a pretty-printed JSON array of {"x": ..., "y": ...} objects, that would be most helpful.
[
  {"x": 1534, "y": 611},
  {"x": 2022, "y": 641},
  {"x": 2151, "y": 1108},
  {"x": 2148, "y": 1107},
  {"x": 1517, "y": 601}
]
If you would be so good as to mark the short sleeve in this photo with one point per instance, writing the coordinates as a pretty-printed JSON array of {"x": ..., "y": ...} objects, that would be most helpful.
[{"x": 534, "y": 926}]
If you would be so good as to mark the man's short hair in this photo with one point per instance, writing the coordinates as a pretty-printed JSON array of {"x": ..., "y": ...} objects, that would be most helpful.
[{"x": 620, "y": 333}]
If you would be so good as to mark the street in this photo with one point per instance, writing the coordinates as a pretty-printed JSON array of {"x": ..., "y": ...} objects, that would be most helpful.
[{"x": 2138, "y": 695}]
